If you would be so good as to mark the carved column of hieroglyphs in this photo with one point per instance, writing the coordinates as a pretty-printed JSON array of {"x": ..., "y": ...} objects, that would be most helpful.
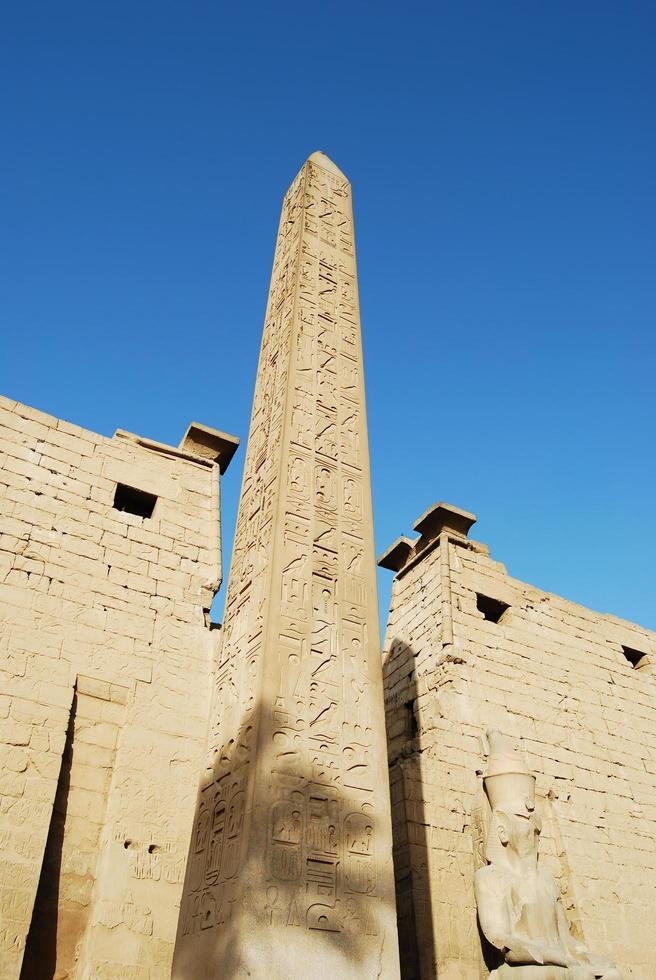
[{"x": 290, "y": 871}]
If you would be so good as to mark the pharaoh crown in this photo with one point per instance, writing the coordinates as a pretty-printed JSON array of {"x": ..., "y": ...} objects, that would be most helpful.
[{"x": 507, "y": 778}]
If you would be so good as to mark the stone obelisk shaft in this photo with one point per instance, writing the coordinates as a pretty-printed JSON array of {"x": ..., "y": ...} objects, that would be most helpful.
[{"x": 290, "y": 865}]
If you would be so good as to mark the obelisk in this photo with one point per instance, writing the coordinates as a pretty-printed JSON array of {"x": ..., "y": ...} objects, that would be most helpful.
[{"x": 290, "y": 865}]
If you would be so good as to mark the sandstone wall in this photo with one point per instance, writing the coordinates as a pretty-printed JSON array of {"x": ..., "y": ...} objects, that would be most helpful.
[
  {"x": 105, "y": 665},
  {"x": 554, "y": 676}
]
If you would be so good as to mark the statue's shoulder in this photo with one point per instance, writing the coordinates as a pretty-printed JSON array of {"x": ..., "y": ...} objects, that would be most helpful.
[{"x": 488, "y": 877}]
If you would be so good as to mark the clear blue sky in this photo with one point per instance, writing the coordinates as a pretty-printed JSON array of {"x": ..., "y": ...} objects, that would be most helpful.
[{"x": 503, "y": 159}]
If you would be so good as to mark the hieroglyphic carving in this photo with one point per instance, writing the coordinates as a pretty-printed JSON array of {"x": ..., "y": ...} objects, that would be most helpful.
[{"x": 299, "y": 673}]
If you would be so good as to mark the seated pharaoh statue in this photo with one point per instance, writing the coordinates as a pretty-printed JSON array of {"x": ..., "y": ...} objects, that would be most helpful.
[{"x": 519, "y": 905}]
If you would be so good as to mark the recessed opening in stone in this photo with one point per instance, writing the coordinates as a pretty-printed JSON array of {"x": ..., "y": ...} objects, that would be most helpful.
[
  {"x": 633, "y": 656},
  {"x": 134, "y": 501},
  {"x": 492, "y": 609}
]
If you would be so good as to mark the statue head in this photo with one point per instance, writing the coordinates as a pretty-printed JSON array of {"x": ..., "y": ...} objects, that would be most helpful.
[
  {"x": 510, "y": 789},
  {"x": 517, "y": 829}
]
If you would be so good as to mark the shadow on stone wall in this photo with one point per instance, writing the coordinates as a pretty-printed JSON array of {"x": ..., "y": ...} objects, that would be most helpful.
[
  {"x": 410, "y": 822},
  {"x": 290, "y": 883},
  {"x": 40, "y": 957}
]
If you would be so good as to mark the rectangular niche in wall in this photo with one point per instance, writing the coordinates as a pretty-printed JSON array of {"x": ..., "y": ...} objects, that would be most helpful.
[
  {"x": 633, "y": 656},
  {"x": 492, "y": 609},
  {"x": 134, "y": 501}
]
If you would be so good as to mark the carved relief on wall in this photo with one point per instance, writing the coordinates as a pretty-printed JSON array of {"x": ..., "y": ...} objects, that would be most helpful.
[
  {"x": 315, "y": 851},
  {"x": 217, "y": 845}
]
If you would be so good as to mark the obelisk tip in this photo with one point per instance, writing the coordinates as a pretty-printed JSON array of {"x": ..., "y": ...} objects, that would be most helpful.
[{"x": 323, "y": 161}]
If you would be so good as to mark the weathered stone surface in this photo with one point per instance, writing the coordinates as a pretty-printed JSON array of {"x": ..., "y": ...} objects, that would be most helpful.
[
  {"x": 469, "y": 648},
  {"x": 289, "y": 872},
  {"x": 105, "y": 667}
]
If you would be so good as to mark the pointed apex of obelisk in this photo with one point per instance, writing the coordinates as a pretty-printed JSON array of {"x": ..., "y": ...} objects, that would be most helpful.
[{"x": 326, "y": 163}]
